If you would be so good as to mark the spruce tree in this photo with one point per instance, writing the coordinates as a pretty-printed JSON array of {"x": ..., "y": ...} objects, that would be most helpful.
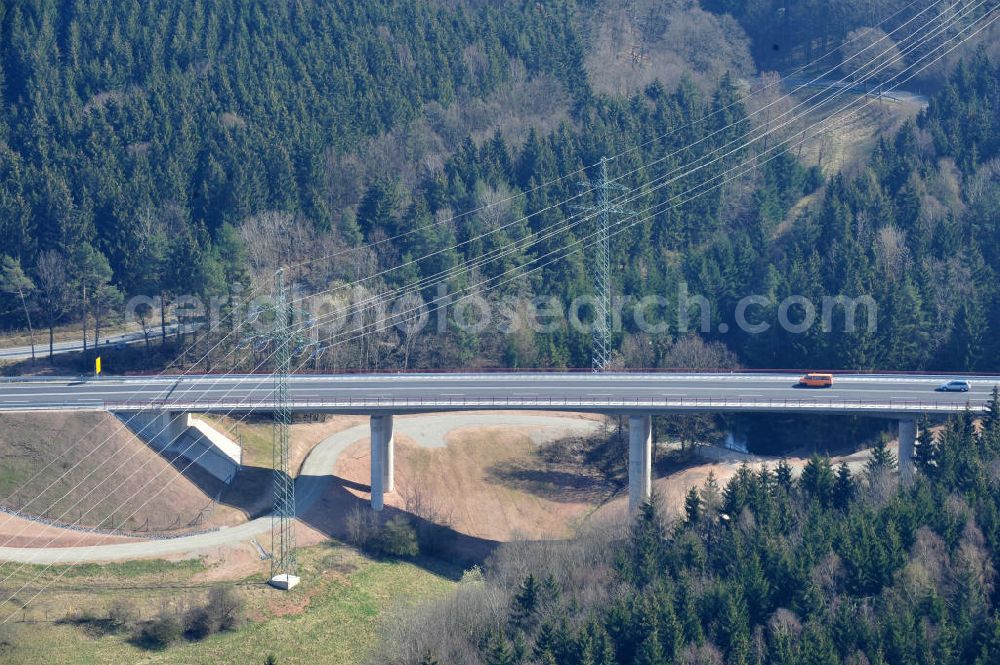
[
  {"x": 843, "y": 487},
  {"x": 647, "y": 535},
  {"x": 881, "y": 459},
  {"x": 692, "y": 506},
  {"x": 991, "y": 420},
  {"x": 499, "y": 651},
  {"x": 817, "y": 479},
  {"x": 544, "y": 641},
  {"x": 650, "y": 652},
  {"x": 784, "y": 475},
  {"x": 526, "y": 602},
  {"x": 711, "y": 495},
  {"x": 926, "y": 454}
]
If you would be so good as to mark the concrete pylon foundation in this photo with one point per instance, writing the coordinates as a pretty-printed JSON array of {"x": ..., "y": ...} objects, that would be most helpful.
[
  {"x": 907, "y": 442},
  {"x": 382, "y": 456},
  {"x": 640, "y": 460}
]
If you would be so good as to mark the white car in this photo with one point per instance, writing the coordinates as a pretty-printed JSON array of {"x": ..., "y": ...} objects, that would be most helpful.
[{"x": 956, "y": 386}]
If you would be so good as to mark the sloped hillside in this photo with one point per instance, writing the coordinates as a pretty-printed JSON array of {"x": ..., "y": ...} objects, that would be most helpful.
[{"x": 85, "y": 469}]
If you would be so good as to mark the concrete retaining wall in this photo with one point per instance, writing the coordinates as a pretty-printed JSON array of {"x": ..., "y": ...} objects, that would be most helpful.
[{"x": 180, "y": 434}]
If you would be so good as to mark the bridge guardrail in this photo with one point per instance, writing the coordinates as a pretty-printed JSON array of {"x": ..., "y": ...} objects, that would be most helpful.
[{"x": 665, "y": 403}]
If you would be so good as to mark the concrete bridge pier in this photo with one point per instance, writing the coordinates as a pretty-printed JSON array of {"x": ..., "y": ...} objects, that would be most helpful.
[
  {"x": 172, "y": 425},
  {"x": 640, "y": 461},
  {"x": 907, "y": 443},
  {"x": 383, "y": 457}
]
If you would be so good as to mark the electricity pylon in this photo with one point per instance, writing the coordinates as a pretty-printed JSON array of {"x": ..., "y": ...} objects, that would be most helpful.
[
  {"x": 286, "y": 342},
  {"x": 601, "y": 354}
]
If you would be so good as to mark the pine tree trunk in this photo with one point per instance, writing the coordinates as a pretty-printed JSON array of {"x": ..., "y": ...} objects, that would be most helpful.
[
  {"x": 85, "y": 320},
  {"x": 145, "y": 330},
  {"x": 163, "y": 320},
  {"x": 31, "y": 329}
]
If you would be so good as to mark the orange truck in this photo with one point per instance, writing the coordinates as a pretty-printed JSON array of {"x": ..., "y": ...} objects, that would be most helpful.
[{"x": 816, "y": 380}]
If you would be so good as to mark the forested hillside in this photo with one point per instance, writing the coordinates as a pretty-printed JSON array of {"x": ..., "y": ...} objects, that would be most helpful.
[
  {"x": 832, "y": 567},
  {"x": 149, "y": 132},
  {"x": 158, "y": 148},
  {"x": 917, "y": 229},
  {"x": 187, "y": 148},
  {"x": 797, "y": 31}
]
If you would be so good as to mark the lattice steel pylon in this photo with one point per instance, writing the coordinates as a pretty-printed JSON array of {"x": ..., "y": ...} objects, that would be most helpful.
[
  {"x": 603, "y": 325},
  {"x": 286, "y": 342},
  {"x": 283, "y": 516}
]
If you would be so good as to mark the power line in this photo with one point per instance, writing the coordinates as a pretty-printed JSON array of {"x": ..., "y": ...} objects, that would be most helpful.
[
  {"x": 921, "y": 69},
  {"x": 620, "y": 154},
  {"x": 601, "y": 352}
]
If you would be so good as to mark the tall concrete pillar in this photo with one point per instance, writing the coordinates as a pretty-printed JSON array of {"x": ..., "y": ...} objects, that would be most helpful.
[
  {"x": 907, "y": 441},
  {"x": 388, "y": 455},
  {"x": 640, "y": 460},
  {"x": 382, "y": 454}
]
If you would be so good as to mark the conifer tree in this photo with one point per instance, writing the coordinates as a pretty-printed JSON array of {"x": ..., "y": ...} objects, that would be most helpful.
[
  {"x": 650, "y": 652},
  {"x": 693, "y": 506},
  {"x": 881, "y": 459},
  {"x": 526, "y": 602},
  {"x": 817, "y": 480},
  {"x": 711, "y": 495},
  {"x": 499, "y": 651},
  {"x": 843, "y": 488},
  {"x": 783, "y": 474},
  {"x": 926, "y": 454}
]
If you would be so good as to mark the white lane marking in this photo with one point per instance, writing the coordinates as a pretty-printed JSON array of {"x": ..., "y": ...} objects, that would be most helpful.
[{"x": 928, "y": 395}]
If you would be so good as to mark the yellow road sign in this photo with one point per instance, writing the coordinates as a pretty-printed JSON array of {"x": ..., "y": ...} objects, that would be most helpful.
[{"x": 97, "y": 365}]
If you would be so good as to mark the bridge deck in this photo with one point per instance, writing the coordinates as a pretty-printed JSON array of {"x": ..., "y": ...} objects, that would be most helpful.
[{"x": 646, "y": 392}]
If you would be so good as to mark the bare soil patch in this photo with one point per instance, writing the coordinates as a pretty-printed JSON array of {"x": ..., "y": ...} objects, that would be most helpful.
[
  {"x": 87, "y": 469},
  {"x": 490, "y": 483}
]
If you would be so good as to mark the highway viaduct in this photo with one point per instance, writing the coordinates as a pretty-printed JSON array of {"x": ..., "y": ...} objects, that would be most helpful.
[{"x": 637, "y": 395}]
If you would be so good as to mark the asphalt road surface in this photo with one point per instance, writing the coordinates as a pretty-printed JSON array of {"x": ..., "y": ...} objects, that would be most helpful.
[
  {"x": 583, "y": 391},
  {"x": 109, "y": 342}
]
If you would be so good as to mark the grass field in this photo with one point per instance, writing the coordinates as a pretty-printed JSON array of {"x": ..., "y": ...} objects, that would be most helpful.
[
  {"x": 332, "y": 617},
  {"x": 256, "y": 437}
]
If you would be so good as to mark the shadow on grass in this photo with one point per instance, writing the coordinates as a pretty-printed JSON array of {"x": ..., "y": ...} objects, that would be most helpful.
[
  {"x": 562, "y": 485},
  {"x": 93, "y": 626},
  {"x": 571, "y": 469},
  {"x": 444, "y": 551}
]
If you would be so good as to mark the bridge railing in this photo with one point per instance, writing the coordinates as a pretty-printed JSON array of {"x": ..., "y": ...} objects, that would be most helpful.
[{"x": 568, "y": 403}]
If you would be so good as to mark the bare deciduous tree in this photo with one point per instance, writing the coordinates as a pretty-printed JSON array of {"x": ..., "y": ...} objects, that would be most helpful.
[
  {"x": 691, "y": 352},
  {"x": 13, "y": 280},
  {"x": 891, "y": 252},
  {"x": 54, "y": 289},
  {"x": 870, "y": 52}
]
